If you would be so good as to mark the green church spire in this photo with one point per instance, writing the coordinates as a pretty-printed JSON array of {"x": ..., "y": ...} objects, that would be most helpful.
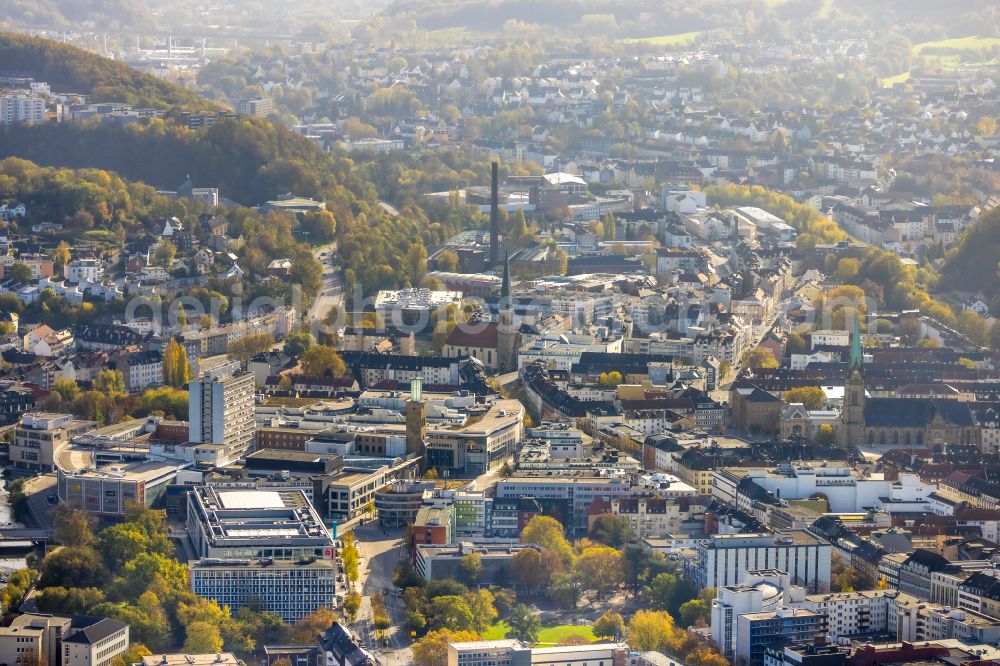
[
  {"x": 505, "y": 284},
  {"x": 857, "y": 357}
]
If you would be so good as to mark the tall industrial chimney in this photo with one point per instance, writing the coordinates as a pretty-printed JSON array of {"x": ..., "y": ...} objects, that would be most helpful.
[{"x": 494, "y": 217}]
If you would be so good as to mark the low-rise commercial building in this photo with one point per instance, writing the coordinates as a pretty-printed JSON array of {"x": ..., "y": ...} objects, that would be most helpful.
[
  {"x": 182, "y": 659},
  {"x": 107, "y": 491},
  {"x": 397, "y": 503},
  {"x": 435, "y": 562},
  {"x": 39, "y": 438},
  {"x": 509, "y": 652}
]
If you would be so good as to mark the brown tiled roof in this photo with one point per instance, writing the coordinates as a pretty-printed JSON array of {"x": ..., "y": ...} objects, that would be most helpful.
[{"x": 479, "y": 337}]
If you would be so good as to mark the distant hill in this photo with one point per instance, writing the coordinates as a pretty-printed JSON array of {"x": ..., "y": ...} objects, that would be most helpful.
[
  {"x": 646, "y": 18},
  {"x": 54, "y": 13},
  {"x": 74, "y": 70}
]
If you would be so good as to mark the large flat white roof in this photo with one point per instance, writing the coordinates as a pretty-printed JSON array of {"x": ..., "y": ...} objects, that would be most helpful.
[{"x": 250, "y": 499}]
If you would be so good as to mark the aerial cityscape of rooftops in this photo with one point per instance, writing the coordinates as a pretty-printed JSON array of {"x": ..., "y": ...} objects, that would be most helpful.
[{"x": 500, "y": 333}]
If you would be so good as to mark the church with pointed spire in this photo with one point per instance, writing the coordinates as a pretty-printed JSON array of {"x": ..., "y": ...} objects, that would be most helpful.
[
  {"x": 494, "y": 344},
  {"x": 507, "y": 333},
  {"x": 889, "y": 423}
]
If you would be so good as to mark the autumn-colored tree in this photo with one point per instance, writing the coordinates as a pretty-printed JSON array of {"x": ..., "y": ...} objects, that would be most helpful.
[
  {"x": 446, "y": 261},
  {"x": 796, "y": 344},
  {"x": 134, "y": 655},
  {"x": 847, "y": 269},
  {"x": 320, "y": 361},
  {"x": 432, "y": 649},
  {"x": 444, "y": 320},
  {"x": 609, "y": 226},
  {"x": 321, "y": 226},
  {"x": 761, "y": 357},
  {"x": 470, "y": 568},
  {"x": 61, "y": 256},
  {"x": 612, "y": 530},
  {"x": 67, "y": 389},
  {"x": 110, "y": 382},
  {"x": 613, "y": 378},
  {"x": 548, "y": 533},
  {"x": 812, "y": 397},
  {"x": 526, "y": 567},
  {"x": 18, "y": 584},
  {"x": 481, "y": 605},
  {"x": 71, "y": 527},
  {"x": 650, "y": 630},
  {"x": 986, "y": 126},
  {"x": 611, "y": 626},
  {"x": 351, "y": 557},
  {"x": 165, "y": 253},
  {"x": 308, "y": 628},
  {"x": 176, "y": 371},
  {"x": 695, "y": 612},
  {"x": 518, "y": 234},
  {"x": 703, "y": 656},
  {"x": 248, "y": 346},
  {"x": 600, "y": 569},
  {"x": 416, "y": 262},
  {"x": 352, "y": 603},
  {"x": 296, "y": 344},
  {"x": 826, "y": 436},
  {"x": 202, "y": 637}
]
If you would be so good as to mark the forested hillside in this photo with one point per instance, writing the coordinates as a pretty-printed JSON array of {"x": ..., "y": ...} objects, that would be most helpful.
[
  {"x": 249, "y": 159},
  {"x": 74, "y": 70},
  {"x": 109, "y": 13},
  {"x": 971, "y": 265},
  {"x": 635, "y": 18}
]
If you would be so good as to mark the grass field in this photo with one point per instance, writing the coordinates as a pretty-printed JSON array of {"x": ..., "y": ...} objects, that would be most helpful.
[
  {"x": 959, "y": 52},
  {"x": 549, "y": 635},
  {"x": 680, "y": 39},
  {"x": 890, "y": 81},
  {"x": 971, "y": 43},
  {"x": 823, "y": 12}
]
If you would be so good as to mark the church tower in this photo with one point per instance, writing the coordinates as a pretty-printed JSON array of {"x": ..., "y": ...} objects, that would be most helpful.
[
  {"x": 416, "y": 418},
  {"x": 506, "y": 334},
  {"x": 853, "y": 411}
]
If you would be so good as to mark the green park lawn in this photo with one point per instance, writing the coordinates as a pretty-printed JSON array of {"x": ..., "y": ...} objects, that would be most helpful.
[
  {"x": 890, "y": 81},
  {"x": 971, "y": 43},
  {"x": 678, "y": 39},
  {"x": 553, "y": 634},
  {"x": 958, "y": 52}
]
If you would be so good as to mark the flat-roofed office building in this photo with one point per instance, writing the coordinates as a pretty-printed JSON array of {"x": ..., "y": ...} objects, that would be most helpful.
[
  {"x": 256, "y": 524},
  {"x": 291, "y": 588}
]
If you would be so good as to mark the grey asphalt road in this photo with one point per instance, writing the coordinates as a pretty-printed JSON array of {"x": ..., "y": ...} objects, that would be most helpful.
[
  {"x": 332, "y": 291},
  {"x": 381, "y": 552}
]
